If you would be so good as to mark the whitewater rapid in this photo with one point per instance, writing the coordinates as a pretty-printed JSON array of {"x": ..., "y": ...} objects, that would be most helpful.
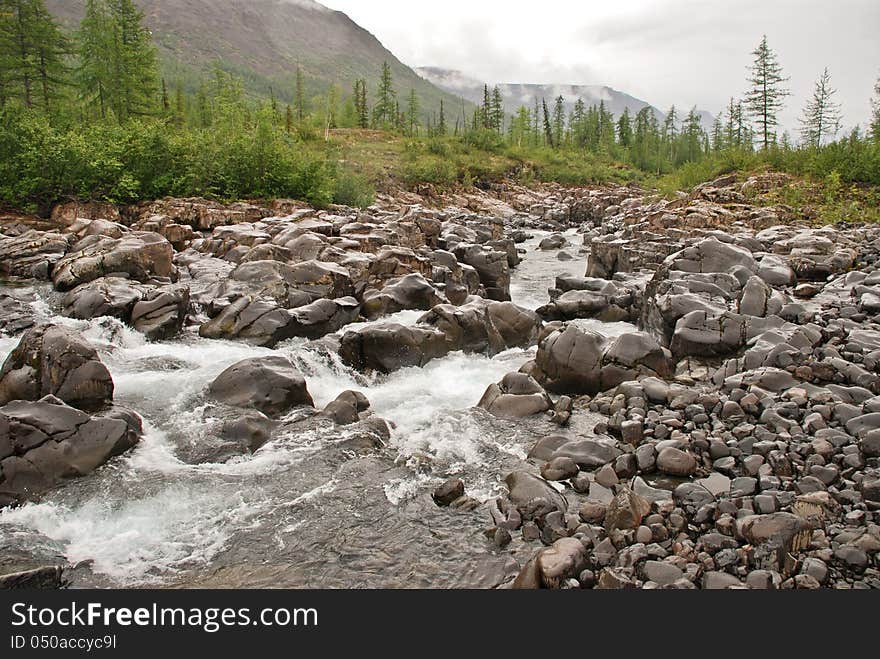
[{"x": 300, "y": 511}]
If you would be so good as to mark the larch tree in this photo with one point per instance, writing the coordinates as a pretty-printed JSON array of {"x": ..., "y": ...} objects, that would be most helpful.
[
  {"x": 118, "y": 62},
  {"x": 821, "y": 117},
  {"x": 299, "y": 95},
  {"x": 558, "y": 121},
  {"x": 875, "y": 112},
  {"x": 33, "y": 54},
  {"x": 765, "y": 99}
]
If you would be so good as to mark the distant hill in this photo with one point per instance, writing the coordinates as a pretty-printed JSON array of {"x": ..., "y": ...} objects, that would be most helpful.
[
  {"x": 518, "y": 94},
  {"x": 263, "y": 40}
]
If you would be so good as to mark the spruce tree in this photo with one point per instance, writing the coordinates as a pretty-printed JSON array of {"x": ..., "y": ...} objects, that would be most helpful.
[
  {"x": 765, "y": 98},
  {"x": 385, "y": 114},
  {"x": 441, "y": 123},
  {"x": 497, "y": 110},
  {"x": 821, "y": 117},
  {"x": 548, "y": 127},
  {"x": 624, "y": 128},
  {"x": 412, "y": 112},
  {"x": 558, "y": 121}
]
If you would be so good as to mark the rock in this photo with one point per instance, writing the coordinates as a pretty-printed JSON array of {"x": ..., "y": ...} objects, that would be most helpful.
[
  {"x": 105, "y": 296},
  {"x": 45, "y": 442},
  {"x": 141, "y": 255},
  {"x": 410, "y": 292},
  {"x": 258, "y": 322},
  {"x": 323, "y": 317},
  {"x": 448, "y": 492},
  {"x": 32, "y": 254},
  {"x": 517, "y": 395},
  {"x": 346, "y": 408},
  {"x": 564, "y": 559},
  {"x": 675, "y": 462},
  {"x": 714, "y": 580},
  {"x": 42, "y": 578},
  {"x": 491, "y": 265},
  {"x": 484, "y": 326},
  {"x": 249, "y": 430},
  {"x": 387, "y": 348},
  {"x": 626, "y": 510},
  {"x": 268, "y": 384},
  {"x": 524, "y": 487},
  {"x": 576, "y": 361},
  {"x": 781, "y": 527},
  {"x": 161, "y": 312},
  {"x": 663, "y": 574},
  {"x": 52, "y": 360},
  {"x": 559, "y": 469}
]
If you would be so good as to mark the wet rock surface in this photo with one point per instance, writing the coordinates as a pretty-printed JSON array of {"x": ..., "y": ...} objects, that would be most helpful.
[{"x": 691, "y": 399}]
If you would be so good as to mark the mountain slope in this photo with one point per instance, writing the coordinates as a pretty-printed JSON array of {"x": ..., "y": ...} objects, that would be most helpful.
[
  {"x": 264, "y": 40},
  {"x": 516, "y": 95}
]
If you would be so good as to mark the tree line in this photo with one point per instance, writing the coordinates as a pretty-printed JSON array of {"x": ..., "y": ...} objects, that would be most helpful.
[{"x": 61, "y": 93}]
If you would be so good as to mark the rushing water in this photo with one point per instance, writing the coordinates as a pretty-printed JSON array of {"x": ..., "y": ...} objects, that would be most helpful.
[{"x": 305, "y": 509}]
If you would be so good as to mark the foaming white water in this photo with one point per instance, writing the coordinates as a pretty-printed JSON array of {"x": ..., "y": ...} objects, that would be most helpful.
[
  {"x": 6, "y": 346},
  {"x": 141, "y": 539},
  {"x": 611, "y": 330}
]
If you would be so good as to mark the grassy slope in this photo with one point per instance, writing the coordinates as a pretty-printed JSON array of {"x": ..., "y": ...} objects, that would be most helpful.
[{"x": 262, "y": 41}]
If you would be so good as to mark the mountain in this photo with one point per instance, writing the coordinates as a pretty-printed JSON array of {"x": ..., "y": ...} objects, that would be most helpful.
[
  {"x": 263, "y": 41},
  {"x": 517, "y": 94}
]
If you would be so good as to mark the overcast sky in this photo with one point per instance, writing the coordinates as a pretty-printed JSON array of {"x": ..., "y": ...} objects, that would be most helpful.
[{"x": 687, "y": 52}]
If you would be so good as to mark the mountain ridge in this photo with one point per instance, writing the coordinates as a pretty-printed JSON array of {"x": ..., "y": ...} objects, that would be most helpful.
[{"x": 264, "y": 41}]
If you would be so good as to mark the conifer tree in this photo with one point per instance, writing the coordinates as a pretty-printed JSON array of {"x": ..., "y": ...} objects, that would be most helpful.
[
  {"x": 441, "y": 124},
  {"x": 875, "y": 112},
  {"x": 548, "y": 127},
  {"x": 33, "y": 53},
  {"x": 118, "y": 62},
  {"x": 558, "y": 121},
  {"x": 821, "y": 117},
  {"x": 765, "y": 98},
  {"x": 385, "y": 114},
  {"x": 497, "y": 110},
  {"x": 299, "y": 98},
  {"x": 624, "y": 129},
  {"x": 412, "y": 112}
]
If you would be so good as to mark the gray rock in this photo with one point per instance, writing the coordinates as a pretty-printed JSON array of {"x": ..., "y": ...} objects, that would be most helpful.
[{"x": 268, "y": 384}]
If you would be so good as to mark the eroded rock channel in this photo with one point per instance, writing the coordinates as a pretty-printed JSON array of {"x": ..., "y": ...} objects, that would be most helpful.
[{"x": 558, "y": 388}]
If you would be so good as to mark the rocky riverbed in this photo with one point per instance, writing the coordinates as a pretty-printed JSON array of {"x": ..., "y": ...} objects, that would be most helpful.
[{"x": 527, "y": 388}]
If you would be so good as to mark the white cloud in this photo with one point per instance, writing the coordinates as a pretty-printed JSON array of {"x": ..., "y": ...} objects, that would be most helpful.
[{"x": 687, "y": 52}]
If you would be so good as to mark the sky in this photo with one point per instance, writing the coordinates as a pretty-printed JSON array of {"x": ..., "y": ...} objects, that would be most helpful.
[{"x": 686, "y": 52}]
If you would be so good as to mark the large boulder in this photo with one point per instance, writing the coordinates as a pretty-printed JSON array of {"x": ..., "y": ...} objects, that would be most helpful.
[
  {"x": 323, "y": 317},
  {"x": 46, "y": 441},
  {"x": 576, "y": 361},
  {"x": 484, "y": 326},
  {"x": 250, "y": 319},
  {"x": 389, "y": 347},
  {"x": 53, "y": 360},
  {"x": 31, "y": 254},
  {"x": 161, "y": 312},
  {"x": 517, "y": 395},
  {"x": 492, "y": 266},
  {"x": 142, "y": 256},
  {"x": 105, "y": 296},
  {"x": 410, "y": 292},
  {"x": 270, "y": 385}
]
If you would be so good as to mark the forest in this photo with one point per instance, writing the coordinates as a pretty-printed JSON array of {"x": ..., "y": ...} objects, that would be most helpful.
[{"x": 89, "y": 115}]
